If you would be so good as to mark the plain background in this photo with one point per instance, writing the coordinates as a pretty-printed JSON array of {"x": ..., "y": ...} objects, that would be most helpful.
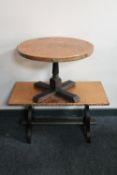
[{"x": 92, "y": 20}]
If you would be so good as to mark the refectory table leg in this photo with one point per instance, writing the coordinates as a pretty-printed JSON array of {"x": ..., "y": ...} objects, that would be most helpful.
[
  {"x": 86, "y": 120},
  {"x": 29, "y": 124}
]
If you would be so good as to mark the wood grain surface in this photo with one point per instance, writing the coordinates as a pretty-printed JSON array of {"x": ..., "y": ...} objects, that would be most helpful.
[
  {"x": 55, "y": 49},
  {"x": 90, "y": 93}
]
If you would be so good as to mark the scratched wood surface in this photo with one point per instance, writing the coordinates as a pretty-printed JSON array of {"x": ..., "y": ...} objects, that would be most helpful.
[
  {"x": 55, "y": 49},
  {"x": 91, "y": 93}
]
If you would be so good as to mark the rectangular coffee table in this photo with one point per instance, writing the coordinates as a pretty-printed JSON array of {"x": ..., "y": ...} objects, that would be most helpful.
[{"x": 91, "y": 93}]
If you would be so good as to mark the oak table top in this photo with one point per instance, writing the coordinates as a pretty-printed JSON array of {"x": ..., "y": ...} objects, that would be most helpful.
[{"x": 55, "y": 49}]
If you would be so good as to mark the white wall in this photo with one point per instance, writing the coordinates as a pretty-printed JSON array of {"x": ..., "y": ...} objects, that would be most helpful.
[{"x": 92, "y": 20}]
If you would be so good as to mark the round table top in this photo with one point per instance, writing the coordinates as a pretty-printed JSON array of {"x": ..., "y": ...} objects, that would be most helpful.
[{"x": 55, "y": 49}]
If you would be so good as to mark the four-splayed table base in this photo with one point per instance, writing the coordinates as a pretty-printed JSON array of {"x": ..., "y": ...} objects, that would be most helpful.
[{"x": 55, "y": 87}]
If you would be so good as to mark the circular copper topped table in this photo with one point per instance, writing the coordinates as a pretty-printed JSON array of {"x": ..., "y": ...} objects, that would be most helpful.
[{"x": 55, "y": 50}]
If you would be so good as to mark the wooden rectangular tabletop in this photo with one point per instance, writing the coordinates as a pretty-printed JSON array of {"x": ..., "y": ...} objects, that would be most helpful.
[{"x": 90, "y": 93}]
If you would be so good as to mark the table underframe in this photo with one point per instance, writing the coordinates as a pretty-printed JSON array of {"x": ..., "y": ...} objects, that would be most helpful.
[{"x": 85, "y": 121}]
